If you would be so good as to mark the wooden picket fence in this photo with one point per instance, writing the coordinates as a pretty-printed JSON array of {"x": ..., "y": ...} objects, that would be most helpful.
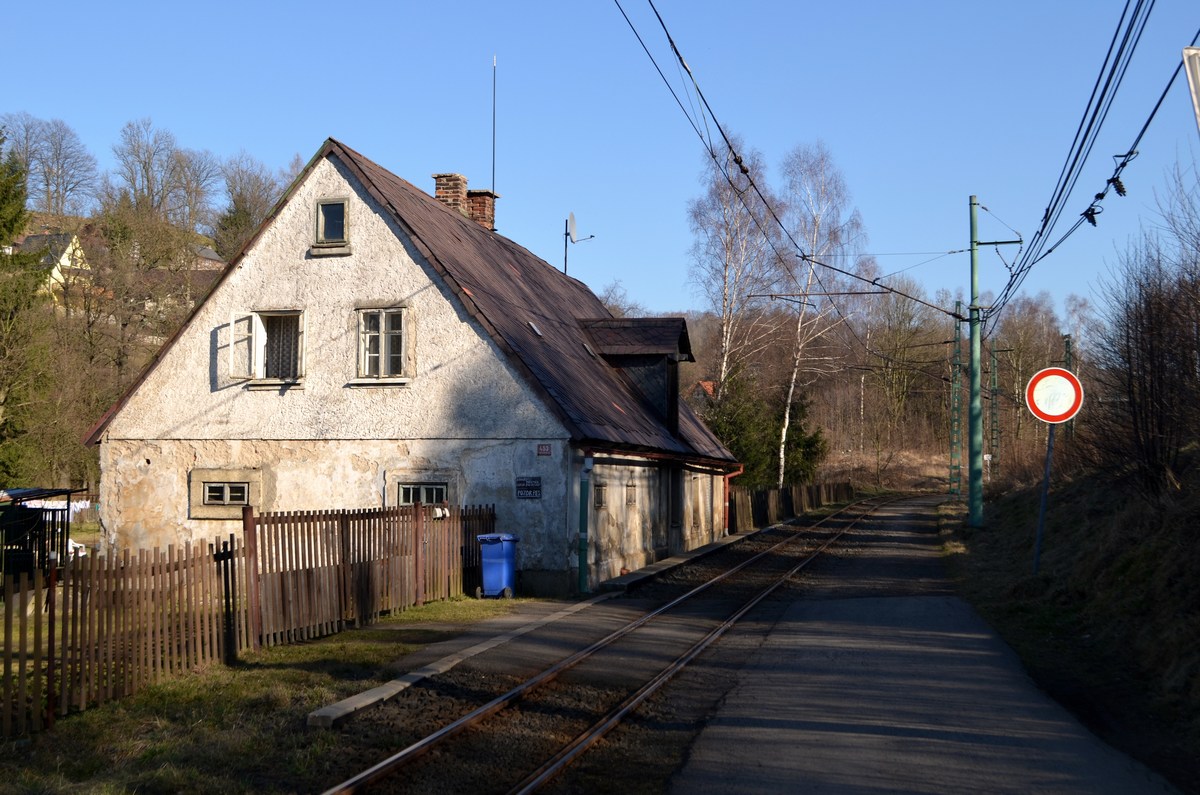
[
  {"x": 312, "y": 573},
  {"x": 101, "y": 627}
]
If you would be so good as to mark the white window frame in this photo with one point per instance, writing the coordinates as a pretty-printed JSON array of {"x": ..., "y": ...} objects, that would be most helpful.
[
  {"x": 259, "y": 341},
  {"x": 387, "y": 355},
  {"x": 429, "y": 492},
  {"x": 226, "y": 492}
]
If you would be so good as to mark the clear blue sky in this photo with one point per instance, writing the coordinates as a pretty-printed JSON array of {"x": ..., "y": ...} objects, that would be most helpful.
[{"x": 921, "y": 104}]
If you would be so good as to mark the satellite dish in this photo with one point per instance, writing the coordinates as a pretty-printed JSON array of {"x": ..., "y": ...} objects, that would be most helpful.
[{"x": 570, "y": 234}]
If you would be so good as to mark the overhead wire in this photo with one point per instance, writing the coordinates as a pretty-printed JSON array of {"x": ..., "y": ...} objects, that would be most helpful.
[
  {"x": 804, "y": 256},
  {"x": 738, "y": 160},
  {"x": 1115, "y": 65}
]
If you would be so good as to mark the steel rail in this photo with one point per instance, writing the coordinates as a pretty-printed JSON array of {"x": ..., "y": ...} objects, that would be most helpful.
[
  {"x": 406, "y": 755},
  {"x": 581, "y": 744}
]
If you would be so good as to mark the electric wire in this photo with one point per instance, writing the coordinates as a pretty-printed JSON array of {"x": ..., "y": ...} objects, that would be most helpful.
[
  {"x": 737, "y": 159},
  {"x": 1040, "y": 247}
]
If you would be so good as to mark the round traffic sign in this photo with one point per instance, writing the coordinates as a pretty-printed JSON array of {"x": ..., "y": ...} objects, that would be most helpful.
[{"x": 1054, "y": 395}]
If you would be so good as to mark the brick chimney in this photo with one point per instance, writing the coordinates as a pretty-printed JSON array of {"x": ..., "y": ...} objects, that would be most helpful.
[
  {"x": 481, "y": 206},
  {"x": 478, "y": 205},
  {"x": 451, "y": 190}
]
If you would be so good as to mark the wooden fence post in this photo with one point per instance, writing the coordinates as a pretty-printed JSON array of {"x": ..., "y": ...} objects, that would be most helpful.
[
  {"x": 224, "y": 559},
  {"x": 250, "y": 534},
  {"x": 50, "y": 642},
  {"x": 419, "y": 553}
]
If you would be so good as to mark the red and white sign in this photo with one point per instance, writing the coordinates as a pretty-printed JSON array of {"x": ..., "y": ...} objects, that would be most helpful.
[{"x": 1054, "y": 395}]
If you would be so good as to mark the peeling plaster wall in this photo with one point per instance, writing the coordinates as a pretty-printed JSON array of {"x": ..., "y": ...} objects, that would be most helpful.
[
  {"x": 466, "y": 416},
  {"x": 146, "y": 485}
]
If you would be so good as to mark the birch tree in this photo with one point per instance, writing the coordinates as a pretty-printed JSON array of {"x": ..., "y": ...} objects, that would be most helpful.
[
  {"x": 820, "y": 221},
  {"x": 732, "y": 257}
]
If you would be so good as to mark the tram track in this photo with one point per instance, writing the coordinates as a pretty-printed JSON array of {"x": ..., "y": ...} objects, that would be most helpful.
[{"x": 528, "y": 729}]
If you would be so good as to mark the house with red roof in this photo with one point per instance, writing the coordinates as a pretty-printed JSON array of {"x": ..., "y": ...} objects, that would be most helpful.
[{"x": 374, "y": 345}]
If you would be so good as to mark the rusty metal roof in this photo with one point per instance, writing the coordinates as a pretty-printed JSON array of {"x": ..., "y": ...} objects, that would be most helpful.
[{"x": 552, "y": 326}]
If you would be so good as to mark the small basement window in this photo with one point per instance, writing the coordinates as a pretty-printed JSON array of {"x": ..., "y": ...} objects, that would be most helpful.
[
  {"x": 223, "y": 493},
  {"x": 226, "y": 493},
  {"x": 425, "y": 493}
]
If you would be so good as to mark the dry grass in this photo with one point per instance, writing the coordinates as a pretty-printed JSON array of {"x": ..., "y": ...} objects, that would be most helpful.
[
  {"x": 1110, "y": 624},
  {"x": 228, "y": 730}
]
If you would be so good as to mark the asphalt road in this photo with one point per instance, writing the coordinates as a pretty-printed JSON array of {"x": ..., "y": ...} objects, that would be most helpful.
[{"x": 879, "y": 680}]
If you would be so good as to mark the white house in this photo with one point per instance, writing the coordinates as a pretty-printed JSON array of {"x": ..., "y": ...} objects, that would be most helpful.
[{"x": 373, "y": 345}]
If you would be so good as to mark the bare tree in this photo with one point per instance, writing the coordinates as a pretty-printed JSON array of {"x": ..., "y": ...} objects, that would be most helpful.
[
  {"x": 65, "y": 172},
  {"x": 251, "y": 191},
  {"x": 148, "y": 167},
  {"x": 61, "y": 173},
  {"x": 199, "y": 174},
  {"x": 617, "y": 301},
  {"x": 21, "y": 131},
  {"x": 820, "y": 220},
  {"x": 732, "y": 255}
]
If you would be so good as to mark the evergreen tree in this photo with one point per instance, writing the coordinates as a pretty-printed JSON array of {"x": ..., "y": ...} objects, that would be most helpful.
[
  {"x": 13, "y": 193},
  {"x": 21, "y": 321}
]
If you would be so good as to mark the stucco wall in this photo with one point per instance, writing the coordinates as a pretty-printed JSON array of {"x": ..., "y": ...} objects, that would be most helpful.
[
  {"x": 465, "y": 417},
  {"x": 462, "y": 382}
]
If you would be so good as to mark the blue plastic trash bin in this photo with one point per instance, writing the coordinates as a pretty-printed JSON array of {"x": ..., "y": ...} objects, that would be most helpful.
[{"x": 499, "y": 553}]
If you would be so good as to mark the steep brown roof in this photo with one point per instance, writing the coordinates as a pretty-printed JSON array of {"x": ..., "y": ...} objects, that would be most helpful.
[{"x": 552, "y": 326}]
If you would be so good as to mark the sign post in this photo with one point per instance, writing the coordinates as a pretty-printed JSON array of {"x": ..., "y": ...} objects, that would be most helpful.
[{"x": 1054, "y": 395}]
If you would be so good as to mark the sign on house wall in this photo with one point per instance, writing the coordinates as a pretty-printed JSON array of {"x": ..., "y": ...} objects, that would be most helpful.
[{"x": 529, "y": 488}]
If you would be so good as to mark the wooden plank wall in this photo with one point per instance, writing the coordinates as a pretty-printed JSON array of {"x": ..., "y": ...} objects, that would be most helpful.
[{"x": 753, "y": 509}]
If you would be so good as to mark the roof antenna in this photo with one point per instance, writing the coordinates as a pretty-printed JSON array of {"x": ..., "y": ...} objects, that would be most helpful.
[
  {"x": 569, "y": 234},
  {"x": 493, "y": 125}
]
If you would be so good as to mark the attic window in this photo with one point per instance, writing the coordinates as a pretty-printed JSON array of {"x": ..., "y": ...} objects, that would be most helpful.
[{"x": 332, "y": 233}]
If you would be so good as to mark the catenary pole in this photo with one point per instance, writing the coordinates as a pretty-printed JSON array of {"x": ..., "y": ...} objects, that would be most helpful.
[{"x": 975, "y": 410}]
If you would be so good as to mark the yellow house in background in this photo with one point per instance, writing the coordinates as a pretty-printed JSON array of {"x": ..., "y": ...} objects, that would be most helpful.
[{"x": 63, "y": 254}]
